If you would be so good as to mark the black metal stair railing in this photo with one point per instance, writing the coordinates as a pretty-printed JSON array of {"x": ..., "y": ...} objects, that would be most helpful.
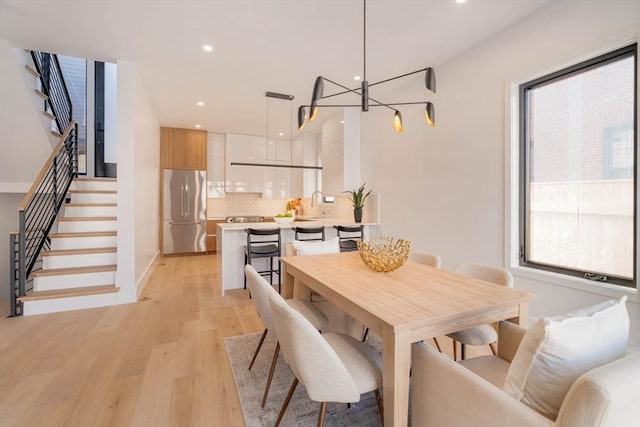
[
  {"x": 54, "y": 86},
  {"x": 38, "y": 211}
]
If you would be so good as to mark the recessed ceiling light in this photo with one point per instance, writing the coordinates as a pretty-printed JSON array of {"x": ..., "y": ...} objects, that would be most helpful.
[
  {"x": 357, "y": 78},
  {"x": 207, "y": 48},
  {"x": 198, "y": 126},
  {"x": 281, "y": 134},
  {"x": 200, "y": 103},
  {"x": 461, "y": 1},
  {"x": 342, "y": 121}
]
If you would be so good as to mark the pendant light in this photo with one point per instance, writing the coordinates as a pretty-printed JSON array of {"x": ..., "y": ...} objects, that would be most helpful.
[{"x": 363, "y": 92}]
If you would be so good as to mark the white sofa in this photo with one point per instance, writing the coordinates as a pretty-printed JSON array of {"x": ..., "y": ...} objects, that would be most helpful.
[{"x": 469, "y": 393}]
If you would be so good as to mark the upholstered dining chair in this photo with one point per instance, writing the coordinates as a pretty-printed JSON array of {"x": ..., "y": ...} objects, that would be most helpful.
[
  {"x": 332, "y": 367},
  {"x": 482, "y": 334},
  {"x": 339, "y": 321},
  {"x": 426, "y": 258},
  {"x": 260, "y": 289},
  {"x": 432, "y": 260}
]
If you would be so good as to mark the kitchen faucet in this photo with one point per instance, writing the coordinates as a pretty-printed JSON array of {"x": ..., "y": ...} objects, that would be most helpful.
[{"x": 313, "y": 198}]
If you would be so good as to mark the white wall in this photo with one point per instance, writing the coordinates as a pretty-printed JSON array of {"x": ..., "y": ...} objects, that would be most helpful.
[
  {"x": 9, "y": 215},
  {"x": 444, "y": 188},
  {"x": 138, "y": 135},
  {"x": 24, "y": 144}
]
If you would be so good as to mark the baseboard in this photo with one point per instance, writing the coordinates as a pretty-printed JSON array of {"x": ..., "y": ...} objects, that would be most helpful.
[{"x": 140, "y": 285}]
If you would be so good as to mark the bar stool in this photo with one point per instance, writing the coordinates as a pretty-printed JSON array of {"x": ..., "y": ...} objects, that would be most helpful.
[
  {"x": 264, "y": 243},
  {"x": 309, "y": 233},
  {"x": 348, "y": 236}
]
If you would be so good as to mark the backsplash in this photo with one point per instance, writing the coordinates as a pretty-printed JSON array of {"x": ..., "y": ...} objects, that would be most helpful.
[{"x": 236, "y": 204}]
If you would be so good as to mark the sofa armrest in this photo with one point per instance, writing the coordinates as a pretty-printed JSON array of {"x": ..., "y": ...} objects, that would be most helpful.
[
  {"x": 444, "y": 393},
  {"x": 509, "y": 337}
]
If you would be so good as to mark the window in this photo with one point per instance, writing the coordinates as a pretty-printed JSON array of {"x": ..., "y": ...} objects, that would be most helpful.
[{"x": 578, "y": 151}]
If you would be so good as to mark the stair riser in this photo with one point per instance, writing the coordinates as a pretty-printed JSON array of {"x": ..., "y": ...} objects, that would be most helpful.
[
  {"x": 93, "y": 197},
  {"x": 66, "y": 281},
  {"x": 83, "y": 260},
  {"x": 86, "y": 226},
  {"x": 83, "y": 242},
  {"x": 94, "y": 185},
  {"x": 84, "y": 211},
  {"x": 67, "y": 304}
]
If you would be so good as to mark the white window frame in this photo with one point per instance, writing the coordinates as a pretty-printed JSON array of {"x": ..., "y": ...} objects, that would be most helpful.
[{"x": 512, "y": 191}]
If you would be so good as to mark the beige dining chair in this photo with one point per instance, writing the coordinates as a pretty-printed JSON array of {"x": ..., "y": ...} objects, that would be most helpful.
[
  {"x": 260, "y": 290},
  {"x": 482, "y": 334},
  {"x": 332, "y": 367},
  {"x": 426, "y": 258},
  {"x": 339, "y": 321},
  {"x": 432, "y": 260}
]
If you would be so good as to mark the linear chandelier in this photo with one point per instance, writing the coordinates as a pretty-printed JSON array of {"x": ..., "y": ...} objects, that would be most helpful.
[{"x": 363, "y": 92}]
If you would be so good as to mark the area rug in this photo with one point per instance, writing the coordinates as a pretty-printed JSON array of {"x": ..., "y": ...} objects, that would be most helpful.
[{"x": 302, "y": 411}]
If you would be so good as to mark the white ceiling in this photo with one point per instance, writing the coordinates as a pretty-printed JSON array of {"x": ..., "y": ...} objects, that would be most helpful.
[{"x": 259, "y": 46}]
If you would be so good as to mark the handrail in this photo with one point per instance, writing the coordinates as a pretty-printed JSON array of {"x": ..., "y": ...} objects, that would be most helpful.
[
  {"x": 38, "y": 211},
  {"x": 46, "y": 166},
  {"x": 55, "y": 87}
]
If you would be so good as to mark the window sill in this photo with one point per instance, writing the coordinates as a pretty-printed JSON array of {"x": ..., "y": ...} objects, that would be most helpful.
[{"x": 584, "y": 285}]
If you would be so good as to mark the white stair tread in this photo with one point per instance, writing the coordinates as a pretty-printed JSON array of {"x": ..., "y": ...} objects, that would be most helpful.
[
  {"x": 84, "y": 234},
  {"x": 71, "y": 292},
  {"x": 90, "y": 205},
  {"x": 73, "y": 270},
  {"x": 88, "y": 218},
  {"x": 97, "y": 179},
  {"x": 88, "y": 251},
  {"x": 93, "y": 191}
]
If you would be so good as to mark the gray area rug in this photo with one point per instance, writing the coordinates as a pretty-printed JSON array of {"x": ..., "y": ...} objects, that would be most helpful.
[{"x": 302, "y": 411}]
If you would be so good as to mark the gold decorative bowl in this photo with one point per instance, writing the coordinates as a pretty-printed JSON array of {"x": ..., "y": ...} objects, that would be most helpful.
[{"x": 383, "y": 253}]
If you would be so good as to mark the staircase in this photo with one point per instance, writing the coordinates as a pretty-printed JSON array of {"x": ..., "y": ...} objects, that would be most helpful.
[{"x": 79, "y": 269}]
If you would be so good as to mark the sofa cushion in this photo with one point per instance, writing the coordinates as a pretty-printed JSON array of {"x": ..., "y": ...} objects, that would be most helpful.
[
  {"x": 316, "y": 248},
  {"x": 555, "y": 351}
]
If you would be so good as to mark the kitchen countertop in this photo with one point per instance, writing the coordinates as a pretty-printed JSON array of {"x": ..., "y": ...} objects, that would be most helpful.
[{"x": 326, "y": 222}]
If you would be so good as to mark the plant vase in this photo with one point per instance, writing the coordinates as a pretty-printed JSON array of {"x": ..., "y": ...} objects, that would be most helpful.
[{"x": 357, "y": 214}]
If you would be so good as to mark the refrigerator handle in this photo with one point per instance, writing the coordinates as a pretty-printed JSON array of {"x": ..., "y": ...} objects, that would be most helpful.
[
  {"x": 188, "y": 201},
  {"x": 182, "y": 200}
]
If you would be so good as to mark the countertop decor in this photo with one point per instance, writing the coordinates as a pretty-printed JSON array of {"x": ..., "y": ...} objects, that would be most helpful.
[
  {"x": 384, "y": 254},
  {"x": 357, "y": 198}
]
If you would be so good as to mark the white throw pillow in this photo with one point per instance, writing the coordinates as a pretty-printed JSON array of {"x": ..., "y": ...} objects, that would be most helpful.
[
  {"x": 316, "y": 248},
  {"x": 555, "y": 351}
]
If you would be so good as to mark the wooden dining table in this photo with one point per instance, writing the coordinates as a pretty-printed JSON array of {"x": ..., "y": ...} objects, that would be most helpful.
[{"x": 407, "y": 305}]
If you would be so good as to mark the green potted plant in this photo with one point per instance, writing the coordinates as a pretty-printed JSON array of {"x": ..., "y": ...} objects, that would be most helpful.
[{"x": 357, "y": 198}]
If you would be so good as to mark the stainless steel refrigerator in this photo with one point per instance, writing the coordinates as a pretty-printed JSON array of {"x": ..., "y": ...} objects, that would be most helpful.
[{"x": 184, "y": 211}]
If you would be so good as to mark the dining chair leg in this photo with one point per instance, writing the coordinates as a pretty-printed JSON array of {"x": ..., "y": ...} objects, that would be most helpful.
[
  {"x": 323, "y": 410},
  {"x": 435, "y": 340},
  {"x": 286, "y": 401},
  {"x": 455, "y": 350},
  {"x": 463, "y": 351},
  {"x": 379, "y": 403},
  {"x": 271, "y": 371},
  {"x": 492, "y": 346},
  {"x": 264, "y": 334}
]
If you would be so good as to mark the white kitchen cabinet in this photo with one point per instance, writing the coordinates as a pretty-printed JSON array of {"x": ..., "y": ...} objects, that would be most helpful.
[
  {"x": 215, "y": 165},
  {"x": 341, "y": 152}
]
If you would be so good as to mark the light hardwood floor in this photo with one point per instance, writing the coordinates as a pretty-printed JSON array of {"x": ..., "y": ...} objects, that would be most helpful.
[{"x": 158, "y": 362}]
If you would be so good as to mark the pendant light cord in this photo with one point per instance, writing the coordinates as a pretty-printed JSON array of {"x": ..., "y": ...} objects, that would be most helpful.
[{"x": 364, "y": 38}]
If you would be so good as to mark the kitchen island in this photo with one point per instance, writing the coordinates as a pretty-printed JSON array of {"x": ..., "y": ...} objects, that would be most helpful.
[{"x": 232, "y": 239}]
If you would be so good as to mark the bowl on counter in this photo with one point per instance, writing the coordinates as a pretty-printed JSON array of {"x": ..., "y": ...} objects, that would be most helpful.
[{"x": 284, "y": 219}]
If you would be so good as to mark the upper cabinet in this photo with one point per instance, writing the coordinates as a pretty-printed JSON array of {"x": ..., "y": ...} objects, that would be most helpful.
[
  {"x": 215, "y": 166},
  {"x": 183, "y": 148},
  {"x": 341, "y": 152}
]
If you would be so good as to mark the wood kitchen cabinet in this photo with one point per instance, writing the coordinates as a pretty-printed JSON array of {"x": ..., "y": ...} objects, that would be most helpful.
[
  {"x": 212, "y": 235},
  {"x": 183, "y": 148}
]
